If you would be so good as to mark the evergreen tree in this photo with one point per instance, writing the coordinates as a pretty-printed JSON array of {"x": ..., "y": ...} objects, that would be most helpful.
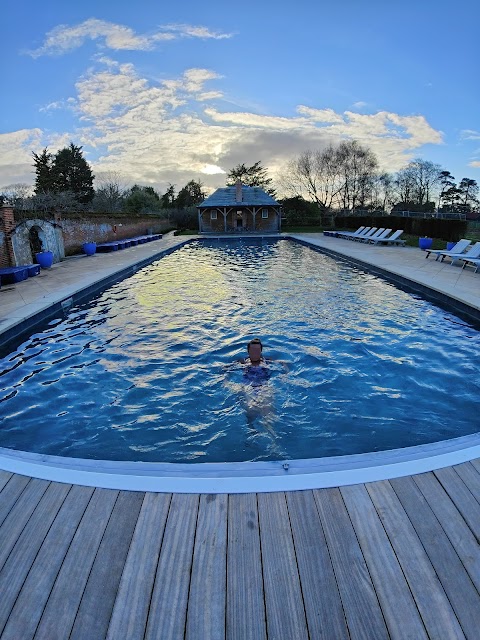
[
  {"x": 254, "y": 176},
  {"x": 43, "y": 172},
  {"x": 168, "y": 198},
  {"x": 71, "y": 172},
  {"x": 142, "y": 200},
  {"x": 190, "y": 195}
]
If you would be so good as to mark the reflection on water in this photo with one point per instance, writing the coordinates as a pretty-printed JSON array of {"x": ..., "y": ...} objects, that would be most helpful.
[{"x": 148, "y": 370}]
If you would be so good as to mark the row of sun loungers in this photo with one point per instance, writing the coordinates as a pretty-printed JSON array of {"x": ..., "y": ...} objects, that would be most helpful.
[
  {"x": 463, "y": 251},
  {"x": 117, "y": 245},
  {"x": 371, "y": 235}
]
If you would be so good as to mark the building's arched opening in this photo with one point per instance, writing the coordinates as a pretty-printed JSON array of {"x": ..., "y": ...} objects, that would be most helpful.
[{"x": 35, "y": 238}]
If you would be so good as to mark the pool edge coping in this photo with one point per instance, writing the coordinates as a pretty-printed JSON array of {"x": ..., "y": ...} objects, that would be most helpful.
[
  {"x": 269, "y": 476},
  {"x": 244, "y": 477}
]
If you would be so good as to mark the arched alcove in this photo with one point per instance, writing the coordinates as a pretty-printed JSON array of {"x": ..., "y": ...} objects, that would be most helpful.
[{"x": 32, "y": 236}]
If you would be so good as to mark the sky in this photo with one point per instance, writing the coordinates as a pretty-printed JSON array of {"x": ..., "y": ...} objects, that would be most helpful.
[{"x": 161, "y": 93}]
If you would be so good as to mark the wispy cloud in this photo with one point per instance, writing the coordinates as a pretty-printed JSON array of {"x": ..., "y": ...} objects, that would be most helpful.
[
  {"x": 359, "y": 105},
  {"x": 64, "y": 38},
  {"x": 475, "y": 163},
  {"x": 469, "y": 134}
]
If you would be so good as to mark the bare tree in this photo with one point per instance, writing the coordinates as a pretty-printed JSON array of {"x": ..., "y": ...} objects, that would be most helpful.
[
  {"x": 313, "y": 175},
  {"x": 17, "y": 195},
  {"x": 110, "y": 192},
  {"x": 358, "y": 166},
  {"x": 418, "y": 181}
]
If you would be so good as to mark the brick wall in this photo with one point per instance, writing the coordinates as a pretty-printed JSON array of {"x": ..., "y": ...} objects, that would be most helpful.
[{"x": 98, "y": 229}]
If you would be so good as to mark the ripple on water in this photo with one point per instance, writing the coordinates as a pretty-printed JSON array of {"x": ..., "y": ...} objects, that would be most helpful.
[{"x": 148, "y": 370}]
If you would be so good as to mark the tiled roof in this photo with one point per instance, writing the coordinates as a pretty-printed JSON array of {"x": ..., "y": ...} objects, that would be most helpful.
[{"x": 226, "y": 197}]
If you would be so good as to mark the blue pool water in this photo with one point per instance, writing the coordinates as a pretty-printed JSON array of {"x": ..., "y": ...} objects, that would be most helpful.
[{"x": 148, "y": 370}]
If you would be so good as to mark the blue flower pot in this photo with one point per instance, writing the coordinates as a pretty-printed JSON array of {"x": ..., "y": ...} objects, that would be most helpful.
[
  {"x": 425, "y": 243},
  {"x": 44, "y": 259},
  {"x": 89, "y": 248},
  {"x": 450, "y": 245}
]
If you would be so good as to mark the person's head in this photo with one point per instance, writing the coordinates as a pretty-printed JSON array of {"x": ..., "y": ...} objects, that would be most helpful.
[{"x": 254, "y": 348}]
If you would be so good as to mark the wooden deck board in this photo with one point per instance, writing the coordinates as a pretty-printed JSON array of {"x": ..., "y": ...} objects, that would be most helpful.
[
  {"x": 362, "y": 610},
  {"x": 283, "y": 593},
  {"x": 10, "y": 494},
  {"x": 130, "y": 612},
  {"x": 455, "y": 580},
  {"x": 4, "y": 478},
  {"x": 19, "y": 515},
  {"x": 43, "y": 573},
  {"x": 462, "y": 497},
  {"x": 59, "y": 614},
  {"x": 245, "y": 601},
  {"x": 323, "y": 606},
  {"x": 207, "y": 596},
  {"x": 78, "y": 562},
  {"x": 94, "y": 614},
  {"x": 396, "y": 600},
  {"x": 471, "y": 478},
  {"x": 454, "y": 525},
  {"x": 432, "y": 602},
  {"x": 172, "y": 581},
  {"x": 23, "y": 554}
]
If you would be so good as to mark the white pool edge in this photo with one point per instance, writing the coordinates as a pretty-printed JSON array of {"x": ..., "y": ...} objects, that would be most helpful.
[{"x": 243, "y": 477}]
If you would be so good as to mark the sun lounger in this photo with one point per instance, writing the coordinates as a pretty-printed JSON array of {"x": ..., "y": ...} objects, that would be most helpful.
[
  {"x": 472, "y": 252},
  {"x": 458, "y": 248},
  {"x": 334, "y": 234},
  {"x": 393, "y": 239},
  {"x": 349, "y": 234},
  {"x": 475, "y": 262},
  {"x": 377, "y": 234},
  {"x": 385, "y": 233},
  {"x": 368, "y": 234}
]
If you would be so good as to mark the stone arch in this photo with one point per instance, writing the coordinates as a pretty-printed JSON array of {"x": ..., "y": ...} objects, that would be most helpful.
[{"x": 31, "y": 234}]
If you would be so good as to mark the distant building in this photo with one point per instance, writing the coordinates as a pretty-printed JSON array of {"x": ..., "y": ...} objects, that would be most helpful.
[{"x": 239, "y": 209}]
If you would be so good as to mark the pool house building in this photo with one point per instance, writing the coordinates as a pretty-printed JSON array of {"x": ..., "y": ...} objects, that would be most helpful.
[{"x": 239, "y": 209}]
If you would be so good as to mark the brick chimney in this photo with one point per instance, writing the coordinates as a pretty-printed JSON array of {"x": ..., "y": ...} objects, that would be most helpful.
[{"x": 238, "y": 191}]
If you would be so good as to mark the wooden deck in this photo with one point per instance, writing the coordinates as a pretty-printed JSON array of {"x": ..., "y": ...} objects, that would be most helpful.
[{"x": 392, "y": 559}]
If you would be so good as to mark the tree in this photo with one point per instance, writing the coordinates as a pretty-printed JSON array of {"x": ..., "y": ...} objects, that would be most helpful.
[
  {"x": 71, "y": 172},
  {"x": 110, "y": 192},
  {"x": 168, "y": 198},
  {"x": 338, "y": 177},
  {"x": 190, "y": 195},
  {"x": 417, "y": 182},
  {"x": 44, "y": 180},
  {"x": 254, "y": 176},
  {"x": 142, "y": 200},
  {"x": 358, "y": 165},
  {"x": 314, "y": 175},
  {"x": 446, "y": 181},
  {"x": 18, "y": 195},
  {"x": 467, "y": 192}
]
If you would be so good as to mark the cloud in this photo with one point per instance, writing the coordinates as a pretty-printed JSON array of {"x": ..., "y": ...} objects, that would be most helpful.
[
  {"x": 163, "y": 132},
  {"x": 64, "y": 38},
  {"x": 475, "y": 163},
  {"x": 359, "y": 105},
  {"x": 469, "y": 134}
]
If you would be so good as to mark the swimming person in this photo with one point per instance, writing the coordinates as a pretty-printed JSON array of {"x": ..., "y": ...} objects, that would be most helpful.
[{"x": 254, "y": 372}]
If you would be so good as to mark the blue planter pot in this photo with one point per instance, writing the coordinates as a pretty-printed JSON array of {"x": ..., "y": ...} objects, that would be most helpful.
[
  {"x": 425, "y": 243},
  {"x": 450, "y": 245},
  {"x": 89, "y": 248},
  {"x": 44, "y": 259}
]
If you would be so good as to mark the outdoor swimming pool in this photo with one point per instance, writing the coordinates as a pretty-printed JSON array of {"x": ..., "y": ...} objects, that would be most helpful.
[{"x": 147, "y": 371}]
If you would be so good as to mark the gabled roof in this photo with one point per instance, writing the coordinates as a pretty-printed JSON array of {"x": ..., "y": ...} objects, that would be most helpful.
[{"x": 226, "y": 197}]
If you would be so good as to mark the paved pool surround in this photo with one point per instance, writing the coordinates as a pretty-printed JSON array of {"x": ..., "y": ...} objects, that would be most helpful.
[{"x": 28, "y": 305}]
